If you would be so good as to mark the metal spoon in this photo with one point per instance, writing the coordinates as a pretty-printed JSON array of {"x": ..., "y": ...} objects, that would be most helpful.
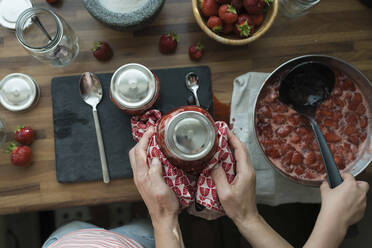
[
  {"x": 304, "y": 88},
  {"x": 91, "y": 92},
  {"x": 192, "y": 83}
]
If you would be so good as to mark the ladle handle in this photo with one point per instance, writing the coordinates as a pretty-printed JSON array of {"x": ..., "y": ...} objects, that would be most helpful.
[
  {"x": 105, "y": 173},
  {"x": 333, "y": 174},
  {"x": 334, "y": 177}
]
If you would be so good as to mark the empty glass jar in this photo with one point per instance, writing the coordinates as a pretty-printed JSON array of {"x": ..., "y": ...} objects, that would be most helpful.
[{"x": 47, "y": 36}]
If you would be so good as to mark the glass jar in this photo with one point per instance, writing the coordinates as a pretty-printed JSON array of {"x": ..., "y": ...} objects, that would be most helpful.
[
  {"x": 296, "y": 8},
  {"x": 134, "y": 88},
  {"x": 47, "y": 36},
  {"x": 188, "y": 138}
]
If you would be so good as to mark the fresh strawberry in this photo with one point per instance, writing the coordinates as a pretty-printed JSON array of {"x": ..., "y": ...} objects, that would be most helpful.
[
  {"x": 215, "y": 24},
  {"x": 257, "y": 19},
  {"x": 196, "y": 51},
  {"x": 243, "y": 29},
  {"x": 208, "y": 7},
  {"x": 168, "y": 43},
  {"x": 102, "y": 51},
  {"x": 227, "y": 13},
  {"x": 227, "y": 28},
  {"x": 24, "y": 135},
  {"x": 244, "y": 17},
  {"x": 254, "y": 7},
  {"x": 52, "y": 1},
  {"x": 20, "y": 156},
  {"x": 237, "y": 4}
]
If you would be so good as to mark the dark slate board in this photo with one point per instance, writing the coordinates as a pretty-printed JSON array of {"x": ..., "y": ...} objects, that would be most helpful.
[{"x": 76, "y": 148}]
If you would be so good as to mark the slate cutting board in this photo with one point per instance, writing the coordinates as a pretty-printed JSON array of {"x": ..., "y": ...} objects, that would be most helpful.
[{"x": 76, "y": 148}]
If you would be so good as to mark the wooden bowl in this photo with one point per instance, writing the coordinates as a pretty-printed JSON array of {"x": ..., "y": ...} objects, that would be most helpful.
[{"x": 235, "y": 41}]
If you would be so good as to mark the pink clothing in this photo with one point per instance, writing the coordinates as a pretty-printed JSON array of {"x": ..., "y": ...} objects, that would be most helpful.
[{"x": 95, "y": 238}]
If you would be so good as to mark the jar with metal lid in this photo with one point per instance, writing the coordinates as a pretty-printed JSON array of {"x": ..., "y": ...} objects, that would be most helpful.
[
  {"x": 188, "y": 138},
  {"x": 18, "y": 92},
  {"x": 134, "y": 88}
]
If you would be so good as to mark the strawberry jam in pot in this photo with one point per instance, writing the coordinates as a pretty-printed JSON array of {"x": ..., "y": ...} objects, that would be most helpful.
[
  {"x": 288, "y": 140},
  {"x": 134, "y": 88},
  {"x": 188, "y": 138}
]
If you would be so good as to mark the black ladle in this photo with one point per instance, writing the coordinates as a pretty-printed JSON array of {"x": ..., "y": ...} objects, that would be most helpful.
[{"x": 304, "y": 88}]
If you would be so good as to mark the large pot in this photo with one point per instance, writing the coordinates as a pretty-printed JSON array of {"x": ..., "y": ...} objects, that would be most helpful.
[
  {"x": 365, "y": 86},
  {"x": 188, "y": 138}
]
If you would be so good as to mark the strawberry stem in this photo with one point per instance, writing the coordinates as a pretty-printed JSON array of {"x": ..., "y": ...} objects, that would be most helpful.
[
  {"x": 245, "y": 29},
  {"x": 97, "y": 45},
  {"x": 231, "y": 9},
  {"x": 199, "y": 46},
  {"x": 19, "y": 127},
  {"x": 11, "y": 147},
  {"x": 174, "y": 36}
]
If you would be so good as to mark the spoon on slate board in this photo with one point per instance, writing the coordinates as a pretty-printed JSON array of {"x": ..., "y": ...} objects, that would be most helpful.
[
  {"x": 192, "y": 83},
  {"x": 304, "y": 88},
  {"x": 91, "y": 92}
]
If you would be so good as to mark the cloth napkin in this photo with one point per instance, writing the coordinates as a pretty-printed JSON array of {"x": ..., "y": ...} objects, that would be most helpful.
[
  {"x": 198, "y": 194},
  {"x": 271, "y": 187}
]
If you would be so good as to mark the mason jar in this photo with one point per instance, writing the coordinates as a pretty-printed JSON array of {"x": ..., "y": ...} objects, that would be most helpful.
[
  {"x": 188, "y": 137},
  {"x": 134, "y": 88},
  {"x": 47, "y": 36}
]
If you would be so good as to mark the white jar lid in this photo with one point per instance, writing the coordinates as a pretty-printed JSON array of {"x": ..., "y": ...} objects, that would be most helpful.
[
  {"x": 10, "y": 10},
  {"x": 18, "y": 92}
]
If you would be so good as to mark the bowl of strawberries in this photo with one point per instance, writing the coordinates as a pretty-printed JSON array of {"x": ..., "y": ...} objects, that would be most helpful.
[{"x": 235, "y": 22}]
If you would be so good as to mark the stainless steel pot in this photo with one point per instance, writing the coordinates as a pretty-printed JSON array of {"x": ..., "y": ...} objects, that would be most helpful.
[{"x": 363, "y": 83}]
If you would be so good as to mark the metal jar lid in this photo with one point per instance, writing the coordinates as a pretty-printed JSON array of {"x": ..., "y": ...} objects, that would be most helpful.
[
  {"x": 133, "y": 86},
  {"x": 18, "y": 92},
  {"x": 10, "y": 10},
  {"x": 190, "y": 135}
]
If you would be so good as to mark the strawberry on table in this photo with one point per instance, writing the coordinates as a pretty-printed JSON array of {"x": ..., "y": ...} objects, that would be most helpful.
[
  {"x": 52, "y": 1},
  {"x": 102, "y": 51},
  {"x": 24, "y": 135},
  {"x": 21, "y": 155},
  {"x": 196, "y": 51},
  {"x": 208, "y": 7},
  {"x": 227, "y": 13},
  {"x": 215, "y": 24},
  {"x": 168, "y": 43}
]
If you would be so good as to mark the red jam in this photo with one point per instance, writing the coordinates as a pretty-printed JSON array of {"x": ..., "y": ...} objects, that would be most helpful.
[{"x": 288, "y": 140}]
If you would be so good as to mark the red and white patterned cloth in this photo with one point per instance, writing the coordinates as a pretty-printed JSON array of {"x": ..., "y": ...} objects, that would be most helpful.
[{"x": 188, "y": 187}]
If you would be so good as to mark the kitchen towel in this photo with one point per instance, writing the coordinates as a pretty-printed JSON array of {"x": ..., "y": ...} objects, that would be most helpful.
[
  {"x": 190, "y": 190},
  {"x": 271, "y": 187}
]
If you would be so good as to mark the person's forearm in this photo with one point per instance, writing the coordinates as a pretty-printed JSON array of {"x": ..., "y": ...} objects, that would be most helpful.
[
  {"x": 260, "y": 234},
  {"x": 168, "y": 233},
  {"x": 328, "y": 232}
]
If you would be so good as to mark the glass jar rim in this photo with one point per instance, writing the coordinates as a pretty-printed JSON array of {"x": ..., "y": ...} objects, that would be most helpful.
[{"x": 26, "y": 15}]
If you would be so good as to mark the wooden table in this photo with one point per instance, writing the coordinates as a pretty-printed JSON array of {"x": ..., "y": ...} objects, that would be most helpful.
[{"x": 341, "y": 28}]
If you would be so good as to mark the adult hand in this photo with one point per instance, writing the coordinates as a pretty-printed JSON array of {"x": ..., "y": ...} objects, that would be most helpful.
[
  {"x": 347, "y": 202},
  {"x": 160, "y": 200},
  {"x": 238, "y": 198}
]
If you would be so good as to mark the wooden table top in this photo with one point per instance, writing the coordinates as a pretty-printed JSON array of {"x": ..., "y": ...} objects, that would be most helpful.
[{"x": 341, "y": 28}]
